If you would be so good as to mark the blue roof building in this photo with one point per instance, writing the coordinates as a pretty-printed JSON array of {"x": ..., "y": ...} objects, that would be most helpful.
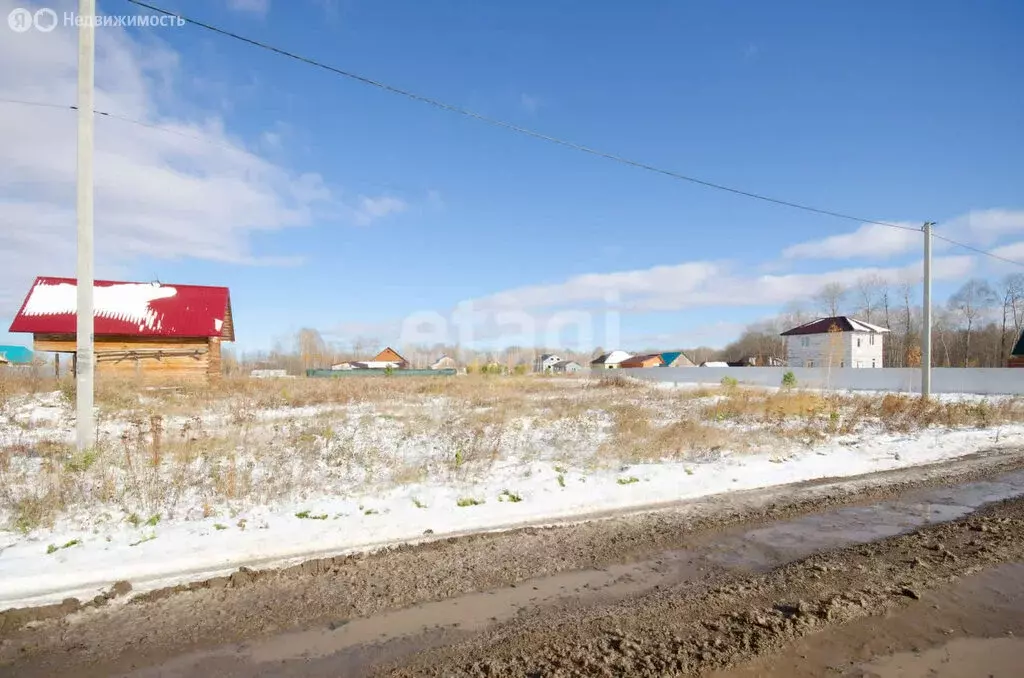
[{"x": 16, "y": 355}]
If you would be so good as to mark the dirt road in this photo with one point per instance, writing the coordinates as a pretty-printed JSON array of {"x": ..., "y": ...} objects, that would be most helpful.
[{"x": 746, "y": 584}]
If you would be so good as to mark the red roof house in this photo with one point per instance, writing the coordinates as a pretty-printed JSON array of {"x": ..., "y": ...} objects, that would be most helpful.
[{"x": 152, "y": 330}]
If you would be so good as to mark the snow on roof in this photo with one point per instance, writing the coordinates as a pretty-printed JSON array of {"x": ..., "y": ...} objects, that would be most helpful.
[
  {"x": 128, "y": 302},
  {"x": 128, "y": 308},
  {"x": 611, "y": 358},
  {"x": 824, "y": 325}
]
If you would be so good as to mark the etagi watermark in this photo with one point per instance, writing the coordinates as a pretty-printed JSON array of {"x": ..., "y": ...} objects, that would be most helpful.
[
  {"x": 44, "y": 20},
  {"x": 566, "y": 329}
]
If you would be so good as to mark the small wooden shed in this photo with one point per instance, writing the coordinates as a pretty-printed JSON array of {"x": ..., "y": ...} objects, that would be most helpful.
[{"x": 152, "y": 331}]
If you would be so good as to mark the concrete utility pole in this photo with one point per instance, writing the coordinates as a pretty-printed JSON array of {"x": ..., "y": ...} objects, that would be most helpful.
[
  {"x": 84, "y": 331},
  {"x": 926, "y": 322}
]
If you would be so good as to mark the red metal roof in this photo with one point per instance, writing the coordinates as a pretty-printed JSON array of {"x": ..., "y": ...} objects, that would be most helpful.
[{"x": 128, "y": 308}]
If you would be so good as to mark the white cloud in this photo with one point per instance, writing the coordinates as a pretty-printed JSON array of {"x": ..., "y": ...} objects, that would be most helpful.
[
  {"x": 695, "y": 284},
  {"x": 1013, "y": 252},
  {"x": 195, "y": 192},
  {"x": 870, "y": 241},
  {"x": 529, "y": 103},
  {"x": 981, "y": 228},
  {"x": 985, "y": 227},
  {"x": 260, "y": 7},
  {"x": 368, "y": 210}
]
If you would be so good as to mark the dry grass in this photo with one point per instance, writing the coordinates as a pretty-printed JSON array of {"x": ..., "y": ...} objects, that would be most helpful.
[{"x": 209, "y": 450}]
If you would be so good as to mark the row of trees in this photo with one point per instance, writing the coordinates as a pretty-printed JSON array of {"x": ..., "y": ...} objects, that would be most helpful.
[{"x": 977, "y": 327}]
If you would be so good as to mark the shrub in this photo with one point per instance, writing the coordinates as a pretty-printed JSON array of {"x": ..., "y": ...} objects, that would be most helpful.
[
  {"x": 469, "y": 501},
  {"x": 730, "y": 382},
  {"x": 788, "y": 379}
]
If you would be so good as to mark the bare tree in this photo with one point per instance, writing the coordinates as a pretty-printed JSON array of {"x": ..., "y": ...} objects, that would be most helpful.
[
  {"x": 830, "y": 298},
  {"x": 312, "y": 349},
  {"x": 872, "y": 293},
  {"x": 970, "y": 303},
  {"x": 1013, "y": 310}
]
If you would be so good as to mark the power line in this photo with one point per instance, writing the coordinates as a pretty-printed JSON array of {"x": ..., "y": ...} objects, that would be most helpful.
[
  {"x": 115, "y": 116},
  {"x": 977, "y": 249},
  {"x": 510, "y": 126}
]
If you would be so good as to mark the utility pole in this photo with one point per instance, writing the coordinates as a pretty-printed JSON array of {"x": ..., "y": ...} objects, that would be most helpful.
[
  {"x": 926, "y": 322},
  {"x": 84, "y": 210}
]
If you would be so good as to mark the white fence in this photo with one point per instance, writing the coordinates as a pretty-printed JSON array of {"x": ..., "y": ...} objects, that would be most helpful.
[{"x": 985, "y": 381}]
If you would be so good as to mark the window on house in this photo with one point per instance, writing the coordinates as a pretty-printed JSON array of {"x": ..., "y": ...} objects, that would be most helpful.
[
  {"x": 871, "y": 340},
  {"x": 873, "y": 362},
  {"x": 805, "y": 341},
  {"x": 858, "y": 342},
  {"x": 841, "y": 363}
]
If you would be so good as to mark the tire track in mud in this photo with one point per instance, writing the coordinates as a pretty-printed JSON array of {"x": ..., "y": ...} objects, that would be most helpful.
[{"x": 672, "y": 632}]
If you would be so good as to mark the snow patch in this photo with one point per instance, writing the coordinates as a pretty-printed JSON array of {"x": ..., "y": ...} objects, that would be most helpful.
[{"x": 128, "y": 302}]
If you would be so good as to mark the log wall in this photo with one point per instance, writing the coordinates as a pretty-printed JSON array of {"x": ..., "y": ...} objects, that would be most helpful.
[{"x": 150, "y": 359}]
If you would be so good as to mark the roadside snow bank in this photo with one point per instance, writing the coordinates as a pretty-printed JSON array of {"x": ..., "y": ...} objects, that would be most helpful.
[{"x": 75, "y": 560}]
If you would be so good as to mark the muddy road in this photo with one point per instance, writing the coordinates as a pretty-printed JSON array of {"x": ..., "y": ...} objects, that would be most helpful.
[{"x": 858, "y": 577}]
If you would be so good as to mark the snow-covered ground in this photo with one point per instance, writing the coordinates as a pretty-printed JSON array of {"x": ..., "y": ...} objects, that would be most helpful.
[{"x": 237, "y": 485}]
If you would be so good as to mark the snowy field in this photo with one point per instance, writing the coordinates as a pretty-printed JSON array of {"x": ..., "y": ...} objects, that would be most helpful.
[{"x": 191, "y": 483}]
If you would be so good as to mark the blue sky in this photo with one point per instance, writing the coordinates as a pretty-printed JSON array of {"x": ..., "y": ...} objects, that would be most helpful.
[{"x": 357, "y": 208}]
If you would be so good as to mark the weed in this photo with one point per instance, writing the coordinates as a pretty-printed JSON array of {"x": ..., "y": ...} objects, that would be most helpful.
[
  {"x": 418, "y": 504},
  {"x": 469, "y": 501},
  {"x": 561, "y": 469},
  {"x": 509, "y": 496},
  {"x": 153, "y": 520},
  {"x": 134, "y": 520},
  {"x": 219, "y": 526},
  {"x": 53, "y": 548},
  {"x": 81, "y": 462},
  {"x": 306, "y": 515},
  {"x": 368, "y": 512},
  {"x": 561, "y": 480},
  {"x": 149, "y": 537},
  {"x": 730, "y": 382},
  {"x": 788, "y": 379},
  {"x": 628, "y": 481}
]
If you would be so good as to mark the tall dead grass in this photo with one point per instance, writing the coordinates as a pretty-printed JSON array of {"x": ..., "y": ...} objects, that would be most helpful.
[{"x": 199, "y": 449}]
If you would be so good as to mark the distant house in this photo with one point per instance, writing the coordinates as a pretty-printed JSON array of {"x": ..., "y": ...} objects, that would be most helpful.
[
  {"x": 566, "y": 367},
  {"x": 610, "y": 360},
  {"x": 675, "y": 359},
  {"x": 1017, "y": 355},
  {"x": 152, "y": 331},
  {"x": 389, "y": 357},
  {"x": 714, "y": 363},
  {"x": 837, "y": 341},
  {"x": 649, "y": 360},
  {"x": 545, "y": 362},
  {"x": 445, "y": 362},
  {"x": 15, "y": 355}
]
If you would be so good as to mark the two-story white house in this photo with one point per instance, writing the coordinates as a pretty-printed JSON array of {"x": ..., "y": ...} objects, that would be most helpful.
[{"x": 839, "y": 341}]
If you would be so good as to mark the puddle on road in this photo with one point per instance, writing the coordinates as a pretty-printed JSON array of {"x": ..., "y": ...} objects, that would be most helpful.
[
  {"x": 973, "y": 628},
  {"x": 992, "y": 657},
  {"x": 783, "y": 542},
  {"x": 352, "y": 646},
  {"x": 476, "y": 611}
]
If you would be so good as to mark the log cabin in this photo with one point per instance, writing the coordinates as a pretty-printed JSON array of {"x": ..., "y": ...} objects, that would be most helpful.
[{"x": 153, "y": 332}]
